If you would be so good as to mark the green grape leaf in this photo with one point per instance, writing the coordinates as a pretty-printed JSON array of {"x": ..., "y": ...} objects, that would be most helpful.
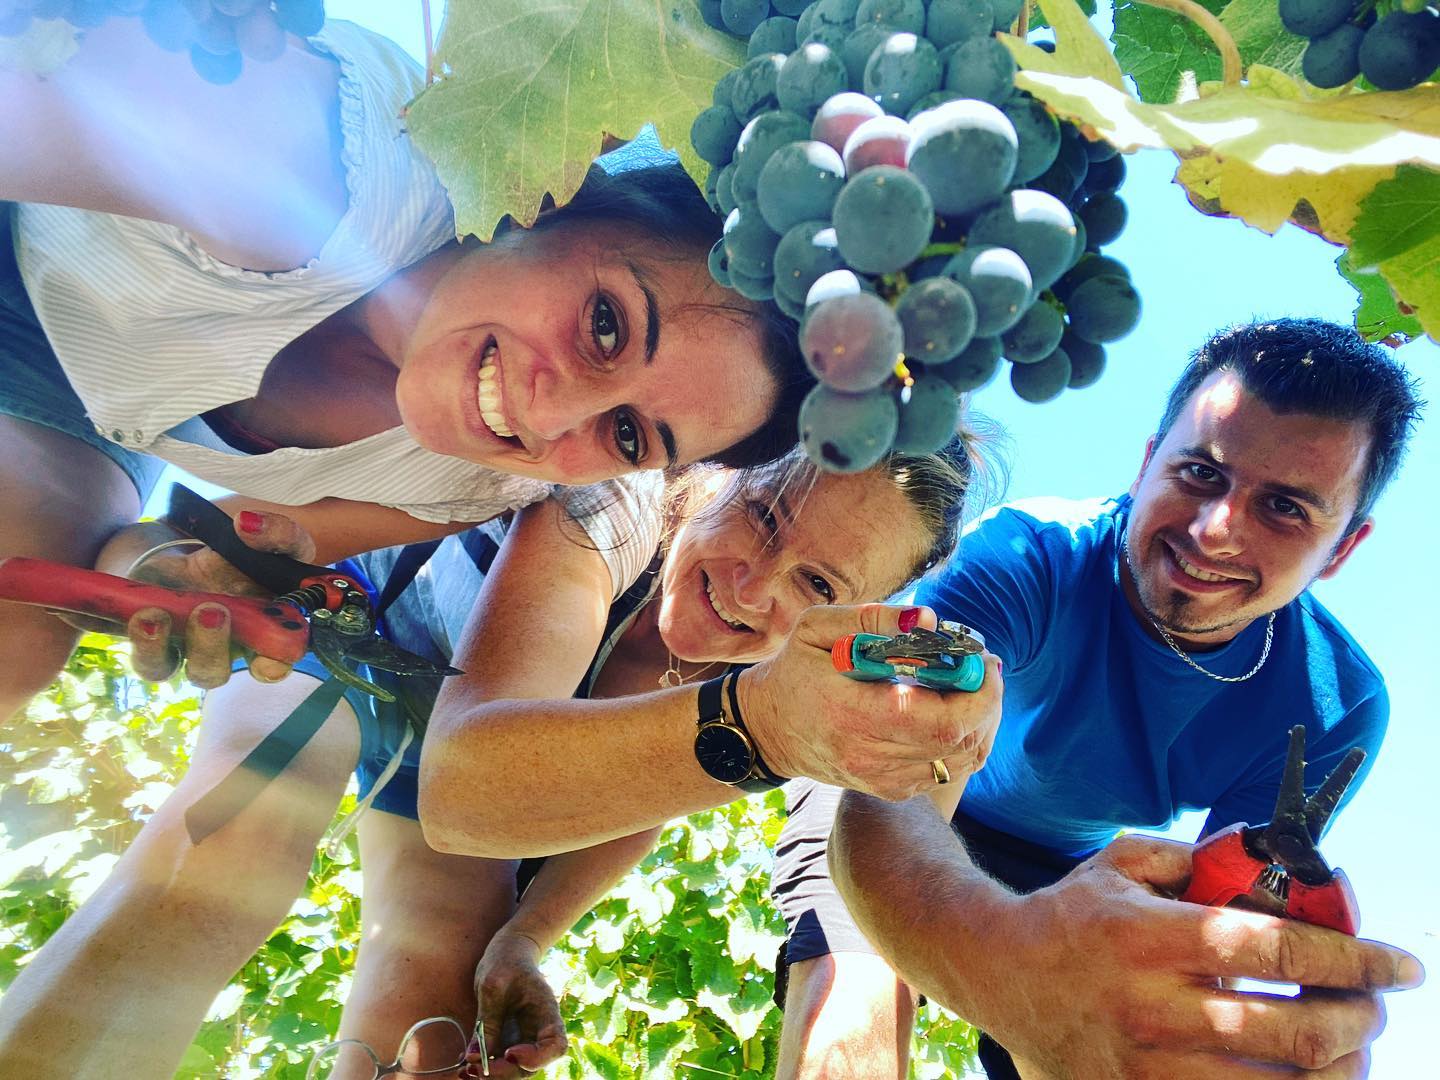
[
  {"x": 1039, "y": 22},
  {"x": 1163, "y": 52},
  {"x": 527, "y": 91},
  {"x": 741, "y": 1017},
  {"x": 1268, "y": 151},
  {"x": 1414, "y": 275},
  {"x": 1399, "y": 214},
  {"x": 1079, "y": 48},
  {"x": 1261, "y": 37}
]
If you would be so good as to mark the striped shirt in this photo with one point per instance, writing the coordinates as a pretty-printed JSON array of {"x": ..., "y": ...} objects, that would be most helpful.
[{"x": 152, "y": 331}]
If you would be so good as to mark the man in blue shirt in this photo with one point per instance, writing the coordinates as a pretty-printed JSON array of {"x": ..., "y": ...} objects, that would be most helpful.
[{"x": 1157, "y": 648}]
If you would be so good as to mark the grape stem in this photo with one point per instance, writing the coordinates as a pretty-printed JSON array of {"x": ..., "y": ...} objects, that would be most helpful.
[
  {"x": 1214, "y": 29},
  {"x": 1022, "y": 24}
]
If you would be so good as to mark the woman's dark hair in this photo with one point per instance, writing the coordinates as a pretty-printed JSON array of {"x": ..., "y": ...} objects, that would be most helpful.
[
  {"x": 641, "y": 186},
  {"x": 1321, "y": 369}
]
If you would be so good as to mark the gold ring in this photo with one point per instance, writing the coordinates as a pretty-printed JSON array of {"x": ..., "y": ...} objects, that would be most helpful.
[{"x": 939, "y": 771}]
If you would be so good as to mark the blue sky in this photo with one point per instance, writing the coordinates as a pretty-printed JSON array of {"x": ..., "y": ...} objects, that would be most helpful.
[{"x": 1196, "y": 274}]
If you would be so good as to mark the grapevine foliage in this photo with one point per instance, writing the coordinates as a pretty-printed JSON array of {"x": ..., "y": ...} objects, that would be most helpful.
[
  {"x": 1270, "y": 147},
  {"x": 670, "y": 976},
  {"x": 1353, "y": 140}
]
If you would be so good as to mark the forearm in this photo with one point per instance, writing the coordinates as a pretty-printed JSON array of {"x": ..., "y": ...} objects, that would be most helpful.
[
  {"x": 569, "y": 885},
  {"x": 910, "y": 884},
  {"x": 593, "y": 771}
]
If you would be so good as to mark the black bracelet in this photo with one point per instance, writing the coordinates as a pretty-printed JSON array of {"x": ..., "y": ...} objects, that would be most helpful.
[{"x": 766, "y": 773}]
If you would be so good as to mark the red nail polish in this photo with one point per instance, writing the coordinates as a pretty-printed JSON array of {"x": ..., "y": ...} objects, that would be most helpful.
[
  {"x": 908, "y": 618},
  {"x": 212, "y": 618},
  {"x": 149, "y": 627},
  {"x": 250, "y": 522}
]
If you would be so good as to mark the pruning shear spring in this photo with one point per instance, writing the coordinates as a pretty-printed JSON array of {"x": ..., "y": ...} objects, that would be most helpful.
[
  {"x": 947, "y": 658},
  {"x": 1278, "y": 863}
]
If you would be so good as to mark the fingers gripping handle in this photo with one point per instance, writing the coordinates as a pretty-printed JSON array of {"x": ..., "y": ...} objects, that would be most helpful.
[{"x": 260, "y": 625}]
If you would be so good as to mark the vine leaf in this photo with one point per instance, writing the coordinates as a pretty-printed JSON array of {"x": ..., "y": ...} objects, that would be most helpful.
[
  {"x": 527, "y": 91},
  {"x": 1400, "y": 214},
  {"x": 1079, "y": 49},
  {"x": 1261, "y": 37},
  {"x": 1273, "y": 150},
  {"x": 1163, "y": 52},
  {"x": 1377, "y": 316}
]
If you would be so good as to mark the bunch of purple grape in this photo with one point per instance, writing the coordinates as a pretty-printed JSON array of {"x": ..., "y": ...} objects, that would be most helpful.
[
  {"x": 220, "y": 35},
  {"x": 1395, "y": 46},
  {"x": 886, "y": 185}
]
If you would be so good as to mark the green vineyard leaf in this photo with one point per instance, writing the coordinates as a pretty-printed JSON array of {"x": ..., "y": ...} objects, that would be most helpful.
[
  {"x": 1163, "y": 52},
  {"x": 1377, "y": 316},
  {"x": 1272, "y": 149},
  {"x": 1400, "y": 214},
  {"x": 527, "y": 91},
  {"x": 1261, "y": 37}
]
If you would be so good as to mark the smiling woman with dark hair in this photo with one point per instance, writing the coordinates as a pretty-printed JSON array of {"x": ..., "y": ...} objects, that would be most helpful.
[{"x": 260, "y": 283}]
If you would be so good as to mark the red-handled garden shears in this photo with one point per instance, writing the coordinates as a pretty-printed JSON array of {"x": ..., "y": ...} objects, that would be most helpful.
[
  {"x": 315, "y": 609},
  {"x": 1279, "y": 861}
]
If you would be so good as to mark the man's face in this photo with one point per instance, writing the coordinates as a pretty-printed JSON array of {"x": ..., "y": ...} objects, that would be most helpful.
[{"x": 1238, "y": 510}]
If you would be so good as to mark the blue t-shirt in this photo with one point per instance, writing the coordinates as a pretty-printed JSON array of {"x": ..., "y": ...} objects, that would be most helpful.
[{"x": 1106, "y": 728}]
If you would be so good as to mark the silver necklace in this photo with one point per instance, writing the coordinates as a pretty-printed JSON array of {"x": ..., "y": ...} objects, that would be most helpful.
[{"x": 1181, "y": 653}]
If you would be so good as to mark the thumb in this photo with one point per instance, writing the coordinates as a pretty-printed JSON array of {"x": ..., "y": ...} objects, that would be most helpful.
[
  {"x": 274, "y": 533},
  {"x": 822, "y": 626},
  {"x": 1161, "y": 865}
]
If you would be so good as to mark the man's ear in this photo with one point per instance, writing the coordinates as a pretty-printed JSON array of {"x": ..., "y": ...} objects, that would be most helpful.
[
  {"x": 1144, "y": 464},
  {"x": 1343, "y": 549}
]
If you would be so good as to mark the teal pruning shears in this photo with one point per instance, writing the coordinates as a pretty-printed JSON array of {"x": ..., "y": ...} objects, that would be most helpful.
[{"x": 947, "y": 658}]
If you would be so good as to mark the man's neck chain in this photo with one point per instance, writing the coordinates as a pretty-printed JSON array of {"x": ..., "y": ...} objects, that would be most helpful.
[
  {"x": 1181, "y": 653},
  {"x": 1264, "y": 653}
]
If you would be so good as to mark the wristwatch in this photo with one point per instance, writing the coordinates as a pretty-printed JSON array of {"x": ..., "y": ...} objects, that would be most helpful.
[{"x": 723, "y": 747}]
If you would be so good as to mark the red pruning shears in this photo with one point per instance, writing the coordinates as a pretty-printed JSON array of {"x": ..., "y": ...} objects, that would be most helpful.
[
  {"x": 316, "y": 608},
  {"x": 1279, "y": 862}
]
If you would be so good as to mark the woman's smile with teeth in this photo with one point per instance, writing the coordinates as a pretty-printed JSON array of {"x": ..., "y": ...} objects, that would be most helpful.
[
  {"x": 487, "y": 394},
  {"x": 719, "y": 609}
]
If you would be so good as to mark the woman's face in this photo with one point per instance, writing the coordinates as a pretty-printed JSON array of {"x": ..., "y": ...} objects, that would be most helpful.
[
  {"x": 566, "y": 355},
  {"x": 739, "y": 573}
]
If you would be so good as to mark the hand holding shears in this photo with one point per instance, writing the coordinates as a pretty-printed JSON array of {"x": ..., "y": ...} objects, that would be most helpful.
[{"x": 1278, "y": 865}]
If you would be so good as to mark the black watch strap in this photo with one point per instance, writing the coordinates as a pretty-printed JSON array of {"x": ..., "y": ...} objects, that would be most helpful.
[
  {"x": 768, "y": 775},
  {"x": 711, "y": 703}
]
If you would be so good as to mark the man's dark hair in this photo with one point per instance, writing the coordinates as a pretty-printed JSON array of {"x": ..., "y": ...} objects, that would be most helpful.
[{"x": 1314, "y": 367}]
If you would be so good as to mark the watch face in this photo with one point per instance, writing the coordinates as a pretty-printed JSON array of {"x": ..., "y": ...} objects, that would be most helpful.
[{"x": 724, "y": 753}]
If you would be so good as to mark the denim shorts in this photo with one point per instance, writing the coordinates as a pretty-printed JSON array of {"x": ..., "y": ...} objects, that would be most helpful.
[{"x": 34, "y": 386}]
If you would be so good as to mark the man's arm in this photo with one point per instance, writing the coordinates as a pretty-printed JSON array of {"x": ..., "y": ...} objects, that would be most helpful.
[{"x": 1102, "y": 975}]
